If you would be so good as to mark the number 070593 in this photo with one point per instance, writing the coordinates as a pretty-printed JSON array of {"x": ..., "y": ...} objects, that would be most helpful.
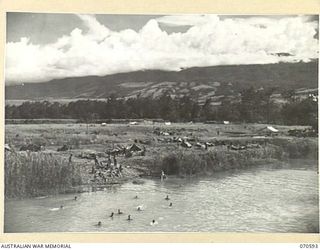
[{"x": 309, "y": 246}]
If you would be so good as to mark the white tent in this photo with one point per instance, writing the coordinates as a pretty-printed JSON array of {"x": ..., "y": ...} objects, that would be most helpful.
[
  {"x": 272, "y": 129},
  {"x": 186, "y": 144}
]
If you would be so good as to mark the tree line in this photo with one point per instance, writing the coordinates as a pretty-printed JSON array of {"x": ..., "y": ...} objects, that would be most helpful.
[{"x": 251, "y": 105}]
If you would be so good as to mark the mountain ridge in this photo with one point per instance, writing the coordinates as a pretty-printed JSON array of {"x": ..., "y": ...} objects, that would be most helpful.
[{"x": 199, "y": 82}]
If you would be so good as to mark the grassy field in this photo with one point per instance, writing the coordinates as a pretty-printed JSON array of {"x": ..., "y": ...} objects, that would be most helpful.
[{"x": 162, "y": 152}]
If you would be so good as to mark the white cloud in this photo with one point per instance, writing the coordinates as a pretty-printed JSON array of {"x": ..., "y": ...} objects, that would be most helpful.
[{"x": 208, "y": 41}]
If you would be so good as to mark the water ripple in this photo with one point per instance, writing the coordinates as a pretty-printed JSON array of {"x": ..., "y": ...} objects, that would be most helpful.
[{"x": 265, "y": 200}]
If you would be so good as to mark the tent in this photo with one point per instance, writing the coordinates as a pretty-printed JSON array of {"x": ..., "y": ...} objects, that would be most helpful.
[
  {"x": 269, "y": 130},
  {"x": 272, "y": 129},
  {"x": 134, "y": 148},
  {"x": 186, "y": 144},
  {"x": 200, "y": 145},
  {"x": 31, "y": 147}
]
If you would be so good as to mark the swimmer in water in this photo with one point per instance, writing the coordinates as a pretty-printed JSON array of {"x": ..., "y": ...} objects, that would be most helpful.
[
  {"x": 139, "y": 208},
  {"x": 153, "y": 222},
  {"x": 119, "y": 212},
  {"x": 61, "y": 207},
  {"x": 111, "y": 216},
  {"x": 99, "y": 224},
  {"x": 167, "y": 198},
  {"x": 170, "y": 205},
  {"x": 129, "y": 218},
  {"x": 136, "y": 197},
  {"x": 75, "y": 198}
]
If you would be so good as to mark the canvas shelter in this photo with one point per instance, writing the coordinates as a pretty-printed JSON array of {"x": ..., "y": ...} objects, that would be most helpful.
[{"x": 134, "y": 148}]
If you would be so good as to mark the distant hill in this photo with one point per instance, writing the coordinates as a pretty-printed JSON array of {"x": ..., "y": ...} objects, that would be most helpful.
[{"x": 199, "y": 82}]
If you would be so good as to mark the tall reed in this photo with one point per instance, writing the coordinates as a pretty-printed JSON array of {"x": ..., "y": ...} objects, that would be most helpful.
[{"x": 30, "y": 174}]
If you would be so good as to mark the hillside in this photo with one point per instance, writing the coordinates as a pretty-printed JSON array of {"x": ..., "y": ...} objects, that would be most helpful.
[{"x": 202, "y": 82}]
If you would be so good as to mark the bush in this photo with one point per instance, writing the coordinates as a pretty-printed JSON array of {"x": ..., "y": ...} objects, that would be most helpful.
[{"x": 298, "y": 147}]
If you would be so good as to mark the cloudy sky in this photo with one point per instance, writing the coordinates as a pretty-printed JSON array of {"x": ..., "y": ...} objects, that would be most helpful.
[{"x": 41, "y": 47}]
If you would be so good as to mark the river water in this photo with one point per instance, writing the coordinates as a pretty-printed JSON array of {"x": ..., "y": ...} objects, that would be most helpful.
[{"x": 266, "y": 199}]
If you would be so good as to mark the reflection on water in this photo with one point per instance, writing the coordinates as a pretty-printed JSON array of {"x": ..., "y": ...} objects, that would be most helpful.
[{"x": 261, "y": 200}]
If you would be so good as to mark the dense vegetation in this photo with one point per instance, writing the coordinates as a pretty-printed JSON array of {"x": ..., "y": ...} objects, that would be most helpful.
[
  {"x": 250, "y": 106},
  {"x": 34, "y": 173},
  {"x": 186, "y": 162}
]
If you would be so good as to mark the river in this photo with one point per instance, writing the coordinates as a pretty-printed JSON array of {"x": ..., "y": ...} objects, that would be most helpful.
[{"x": 266, "y": 199}]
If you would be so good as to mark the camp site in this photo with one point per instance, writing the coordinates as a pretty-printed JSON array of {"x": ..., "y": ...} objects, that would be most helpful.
[{"x": 161, "y": 123}]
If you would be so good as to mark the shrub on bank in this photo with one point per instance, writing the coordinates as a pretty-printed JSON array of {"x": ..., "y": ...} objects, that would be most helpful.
[
  {"x": 188, "y": 162},
  {"x": 298, "y": 147},
  {"x": 36, "y": 173}
]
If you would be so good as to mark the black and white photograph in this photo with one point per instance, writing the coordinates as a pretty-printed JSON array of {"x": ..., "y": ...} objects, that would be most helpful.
[{"x": 161, "y": 123}]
